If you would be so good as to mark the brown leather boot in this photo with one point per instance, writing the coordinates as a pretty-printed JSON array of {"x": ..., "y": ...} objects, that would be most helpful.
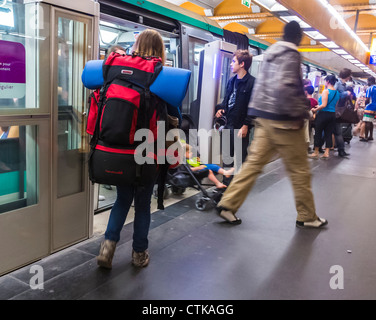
[{"x": 106, "y": 253}]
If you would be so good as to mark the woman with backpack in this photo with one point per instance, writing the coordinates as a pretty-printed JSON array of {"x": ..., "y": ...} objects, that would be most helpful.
[{"x": 149, "y": 43}]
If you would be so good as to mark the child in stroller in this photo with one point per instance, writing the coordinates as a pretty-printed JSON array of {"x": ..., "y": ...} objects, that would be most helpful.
[
  {"x": 191, "y": 173},
  {"x": 196, "y": 166}
]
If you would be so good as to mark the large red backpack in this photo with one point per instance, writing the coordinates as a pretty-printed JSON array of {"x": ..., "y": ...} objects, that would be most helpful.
[{"x": 121, "y": 107}]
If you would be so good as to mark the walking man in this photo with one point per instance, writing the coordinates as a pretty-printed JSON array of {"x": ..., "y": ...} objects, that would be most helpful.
[{"x": 280, "y": 105}]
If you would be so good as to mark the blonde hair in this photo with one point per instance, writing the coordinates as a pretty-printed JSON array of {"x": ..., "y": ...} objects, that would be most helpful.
[{"x": 149, "y": 43}]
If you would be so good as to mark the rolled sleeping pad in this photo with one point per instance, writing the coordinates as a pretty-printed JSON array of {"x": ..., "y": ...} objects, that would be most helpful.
[
  {"x": 171, "y": 84},
  {"x": 92, "y": 76}
]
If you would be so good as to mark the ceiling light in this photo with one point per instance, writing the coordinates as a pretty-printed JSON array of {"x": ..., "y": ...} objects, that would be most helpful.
[
  {"x": 302, "y": 24},
  {"x": 354, "y": 61},
  {"x": 343, "y": 23},
  {"x": 278, "y": 7},
  {"x": 329, "y": 44},
  {"x": 315, "y": 35},
  {"x": 348, "y": 56},
  {"x": 339, "y": 51}
]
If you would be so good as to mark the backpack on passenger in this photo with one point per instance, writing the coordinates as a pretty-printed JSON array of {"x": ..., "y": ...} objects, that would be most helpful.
[{"x": 116, "y": 111}]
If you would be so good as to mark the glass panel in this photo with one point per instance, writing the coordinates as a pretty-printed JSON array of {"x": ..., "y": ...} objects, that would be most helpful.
[
  {"x": 225, "y": 76},
  {"x": 125, "y": 35},
  {"x": 21, "y": 42},
  {"x": 18, "y": 167},
  {"x": 195, "y": 47},
  {"x": 71, "y": 50}
]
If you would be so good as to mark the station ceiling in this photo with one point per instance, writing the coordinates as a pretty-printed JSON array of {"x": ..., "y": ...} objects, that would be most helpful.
[{"x": 346, "y": 26}]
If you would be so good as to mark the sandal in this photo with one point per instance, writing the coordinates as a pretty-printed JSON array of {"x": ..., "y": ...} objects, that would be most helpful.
[
  {"x": 229, "y": 217},
  {"x": 324, "y": 157},
  {"x": 313, "y": 156}
]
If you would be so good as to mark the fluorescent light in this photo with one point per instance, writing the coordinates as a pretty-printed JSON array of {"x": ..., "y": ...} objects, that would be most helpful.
[
  {"x": 278, "y": 7},
  {"x": 315, "y": 35},
  {"x": 297, "y": 19},
  {"x": 354, "y": 61},
  {"x": 339, "y": 51},
  {"x": 329, "y": 44},
  {"x": 348, "y": 57},
  {"x": 341, "y": 21}
]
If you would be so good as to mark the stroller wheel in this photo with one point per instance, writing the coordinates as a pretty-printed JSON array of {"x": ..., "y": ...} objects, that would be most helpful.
[{"x": 201, "y": 204}]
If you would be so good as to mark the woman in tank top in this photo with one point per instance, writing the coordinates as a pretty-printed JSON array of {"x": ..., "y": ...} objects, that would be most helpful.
[{"x": 325, "y": 117}]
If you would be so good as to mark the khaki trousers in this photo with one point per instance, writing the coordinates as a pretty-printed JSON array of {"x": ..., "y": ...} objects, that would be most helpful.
[{"x": 287, "y": 139}]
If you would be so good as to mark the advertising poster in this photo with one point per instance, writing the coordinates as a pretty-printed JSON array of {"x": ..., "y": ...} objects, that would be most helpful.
[{"x": 12, "y": 70}]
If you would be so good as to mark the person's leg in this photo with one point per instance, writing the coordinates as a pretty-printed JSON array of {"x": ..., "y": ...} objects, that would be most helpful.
[
  {"x": 119, "y": 212},
  {"x": 260, "y": 152},
  {"x": 213, "y": 179},
  {"x": 370, "y": 131},
  {"x": 362, "y": 134},
  {"x": 328, "y": 131},
  {"x": 291, "y": 146},
  {"x": 319, "y": 128},
  {"x": 228, "y": 151},
  {"x": 118, "y": 215},
  {"x": 141, "y": 225},
  {"x": 340, "y": 143},
  {"x": 142, "y": 201}
]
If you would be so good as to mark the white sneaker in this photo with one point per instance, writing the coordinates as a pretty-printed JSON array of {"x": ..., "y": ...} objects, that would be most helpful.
[{"x": 318, "y": 223}]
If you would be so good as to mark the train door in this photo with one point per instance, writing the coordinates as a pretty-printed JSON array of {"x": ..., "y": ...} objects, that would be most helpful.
[
  {"x": 216, "y": 73},
  {"x": 43, "y": 183},
  {"x": 71, "y": 48},
  {"x": 192, "y": 45}
]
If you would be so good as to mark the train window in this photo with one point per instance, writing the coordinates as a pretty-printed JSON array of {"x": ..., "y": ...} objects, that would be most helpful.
[
  {"x": 254, "y": 51},
  {"x": 19, "y": 34},
  {"x": 71, "y": 44},
  {"x": 225, "y": 76},
  {"x": 18, "y": 167},
  {"x": 124, "y": 33},
  {"x": 195, "y": 48}
]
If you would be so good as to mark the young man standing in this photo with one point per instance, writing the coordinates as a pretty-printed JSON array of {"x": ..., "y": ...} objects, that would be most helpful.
[
  {"x": 235, "y": 106},
  {"x": 280, "y": 105}
]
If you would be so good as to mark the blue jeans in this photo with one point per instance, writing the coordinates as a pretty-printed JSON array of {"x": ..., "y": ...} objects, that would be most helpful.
[{"x": 119, "y": 212}]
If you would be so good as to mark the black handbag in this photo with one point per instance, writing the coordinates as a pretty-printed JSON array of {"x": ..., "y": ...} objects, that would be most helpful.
[{"x": 345, "y": 111}]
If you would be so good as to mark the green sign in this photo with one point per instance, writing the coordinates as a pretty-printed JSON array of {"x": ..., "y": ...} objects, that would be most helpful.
[{"x": 247, "y": 3}]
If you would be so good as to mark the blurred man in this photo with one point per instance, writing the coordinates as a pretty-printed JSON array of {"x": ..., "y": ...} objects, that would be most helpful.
[{"x": 280, "y": 105}]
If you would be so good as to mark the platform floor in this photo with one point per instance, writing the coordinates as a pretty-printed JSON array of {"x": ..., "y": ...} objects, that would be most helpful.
[{"x": 195, "y": 255}]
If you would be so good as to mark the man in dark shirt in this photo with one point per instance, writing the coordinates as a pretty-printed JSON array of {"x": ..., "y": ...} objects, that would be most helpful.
[{"x": 235, "y": 106}]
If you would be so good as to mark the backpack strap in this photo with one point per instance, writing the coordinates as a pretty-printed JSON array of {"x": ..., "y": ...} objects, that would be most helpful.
[{"x": 100, "y": 102}]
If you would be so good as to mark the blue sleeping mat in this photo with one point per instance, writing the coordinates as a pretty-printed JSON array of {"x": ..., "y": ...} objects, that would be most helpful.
[{"x": 171, "y": 84}]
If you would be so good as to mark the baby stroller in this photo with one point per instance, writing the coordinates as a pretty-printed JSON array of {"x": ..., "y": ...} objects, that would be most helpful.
[{"x": 183, "y": 177}]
